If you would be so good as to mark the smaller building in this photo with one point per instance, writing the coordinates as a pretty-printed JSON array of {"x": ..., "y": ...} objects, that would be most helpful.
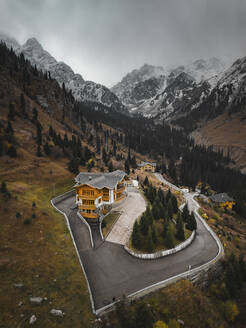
[
  {"x": 222, "y": 200},
  {"x": 147, "y": 167}
]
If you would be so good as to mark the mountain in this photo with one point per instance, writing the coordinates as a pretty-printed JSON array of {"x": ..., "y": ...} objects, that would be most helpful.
[
  {"x": 139, "y": 84},
  {"x": 82, "y": 90},
  {"x": 181, "y": 94},
  {"x": 153, "y": 91},
  {"x": 220, "y": 120}
]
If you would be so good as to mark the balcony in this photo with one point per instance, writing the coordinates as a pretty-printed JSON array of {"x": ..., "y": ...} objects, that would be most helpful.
[{"x": 87, "y": 206}]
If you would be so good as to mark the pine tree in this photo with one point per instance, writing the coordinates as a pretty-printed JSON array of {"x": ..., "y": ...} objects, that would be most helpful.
[
  {"x": 191, "y": 224},
  {"x": 4, "y": 189},
  {"x": 73, "y": 165},
  {"x": 169, "y": 240},
  {"x": 150, "y": 244},
  {"x": 11, "y": 113},
  {"x": 34, "y": 114},
  {"x": 136, "y": 236},
  {"x": 154, "y": 237},
  {"x": 110, "y": 167},
  {"x": 12, "y": 151},
  {"x": 185, "y": 213},
  {"x": 127, "y": 168},
  {"x": 180, "y": 228},
  {"x": 39, "y": 152},
  {"x": 170, "y": 209},
  {"x": 174, "y": 204},
  {"x": 46, "y": 149},
  {"x": 146, "y": 181}
]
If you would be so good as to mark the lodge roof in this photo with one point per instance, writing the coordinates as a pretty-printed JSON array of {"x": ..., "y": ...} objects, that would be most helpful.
[
  {"x": 100, "y": 180},
  {"x": 145, "y": 163},
  {"x": 220, "y": 198}
]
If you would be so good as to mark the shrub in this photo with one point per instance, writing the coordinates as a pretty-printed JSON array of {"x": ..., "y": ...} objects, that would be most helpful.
[
  {"x": 33, "y": 216},
  {"x": 27, "y": 221},
  {"x": 18, "y": 215}
]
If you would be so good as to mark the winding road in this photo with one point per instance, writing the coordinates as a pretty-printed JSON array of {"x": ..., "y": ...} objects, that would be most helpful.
[{"x": 112, "y": 272}]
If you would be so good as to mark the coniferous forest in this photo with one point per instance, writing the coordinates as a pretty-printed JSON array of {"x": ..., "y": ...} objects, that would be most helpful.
[{"x": 175, "y": 153}]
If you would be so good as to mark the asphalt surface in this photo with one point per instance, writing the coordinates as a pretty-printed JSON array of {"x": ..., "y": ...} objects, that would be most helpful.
[{"x": 112, "y": 272}]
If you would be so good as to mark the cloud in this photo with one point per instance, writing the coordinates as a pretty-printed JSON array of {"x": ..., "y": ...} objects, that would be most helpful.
[{"x": 104, "y": 39}]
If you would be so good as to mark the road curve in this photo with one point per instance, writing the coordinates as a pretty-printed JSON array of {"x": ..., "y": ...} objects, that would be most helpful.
[{"x": 112, "y": 273}]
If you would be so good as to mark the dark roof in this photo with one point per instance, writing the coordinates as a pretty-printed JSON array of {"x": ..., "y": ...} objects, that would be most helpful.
[
  {"x": 145, "y": 163},
  {"x": 100, "y": 180},
  {"x": 219, "y": 198}
]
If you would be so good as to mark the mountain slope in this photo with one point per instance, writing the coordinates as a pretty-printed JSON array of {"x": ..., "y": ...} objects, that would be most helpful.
[
  {"x": 220, "y": 120},
  {"x": 81, "y": 90},
  {"x": 145, "y": 79},
  {"x": 146, "y": 91}
]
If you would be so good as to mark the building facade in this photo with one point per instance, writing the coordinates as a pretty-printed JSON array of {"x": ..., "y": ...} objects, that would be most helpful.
[
  {"x": 147, "y": 167},
  {"x": 222, "y": 200},
  {"x": 96, "y": 192}
]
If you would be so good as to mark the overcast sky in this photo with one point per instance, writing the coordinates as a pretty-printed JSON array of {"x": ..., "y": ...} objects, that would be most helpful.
[{"x": 104, "y": 39}]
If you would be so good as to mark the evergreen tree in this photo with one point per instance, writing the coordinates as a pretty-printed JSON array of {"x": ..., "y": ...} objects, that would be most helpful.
[
  {"x": 73, "y": 165},
  {"x": 144, "y": 317},
  {"x": 180, "y": 228},
  {"x": 127, "y": 168},
  {"x": 39, "y": 152},
  {"x": 9, "y": 130},
  {"x": 11, "y": 113},
  {"x": 174, "y": 204},
  {"x": 144, "y": 224},
  {"x": 185, "y": 213},
  {"x": 169, "y": 240},
  {"x": 150, "y": 244},
  {"x": 154, "y": 237},
  {"x": 34, "y": 114},
  {"x": 136, "y": 236},
  {"x": 4, "y": 189},
  {"x": 46, "y": 149},
  {"x": 39, "y": 133},
  {"x": 146, "y": 181},
  {"x": 191, "y": 224},
  {"x": 12, "y": 151},
  {"x": 170, "y": 209},
  {"x": 110, "y": 167}
]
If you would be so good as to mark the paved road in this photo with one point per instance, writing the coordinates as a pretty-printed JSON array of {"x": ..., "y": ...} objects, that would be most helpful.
[
  {"x": 131, "y": 209},
  {"x": 112, "y": 272}
]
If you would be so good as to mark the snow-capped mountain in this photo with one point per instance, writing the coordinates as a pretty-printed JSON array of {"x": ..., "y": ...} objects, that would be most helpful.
[
  {"x": 201, "y": 70},
  {"x": 81, "y": 89},
  {"x": 147, "y": 79},
  {"x": 10, "y": 42},
  {"x": 181, "y": 95},
  {"x": 154, "y": 91}
]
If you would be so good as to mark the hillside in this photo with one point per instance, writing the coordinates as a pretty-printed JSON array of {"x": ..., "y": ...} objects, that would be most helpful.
[
  {"x": 82, "y": 90},
  {"x": 38, "y": 143}
]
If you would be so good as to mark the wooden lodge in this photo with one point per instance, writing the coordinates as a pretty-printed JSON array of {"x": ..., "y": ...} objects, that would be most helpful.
[
  {"x": 96, "y": 192},
  {"x": 147, "y": 167}
]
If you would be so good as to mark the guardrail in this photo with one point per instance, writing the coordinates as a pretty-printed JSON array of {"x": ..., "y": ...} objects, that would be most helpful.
[{"x": 159, "y": 254}]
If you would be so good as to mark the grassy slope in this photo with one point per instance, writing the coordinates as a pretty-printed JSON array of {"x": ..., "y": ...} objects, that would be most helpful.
[
  {"x": 224, "y": 132},
  {"x": 40, "y": 255}
]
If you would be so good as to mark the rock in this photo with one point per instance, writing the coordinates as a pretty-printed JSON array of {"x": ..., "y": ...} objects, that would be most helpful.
[
  {"x": 19, "y": 285},
  {"x": 181, "y": 322},
  {"x": 32, "y": 319},
  {"x": 57, "y": 313},
  {"x": 20, "y": 304},
  {"x": 36, "y": 300}
]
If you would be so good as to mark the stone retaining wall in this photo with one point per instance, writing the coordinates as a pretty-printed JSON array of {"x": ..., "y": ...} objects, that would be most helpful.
[{"x": 159, "y": 254}]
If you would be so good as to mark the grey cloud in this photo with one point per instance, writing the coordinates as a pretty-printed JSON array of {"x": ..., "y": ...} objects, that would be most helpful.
[{"x": 104, "y": 39}]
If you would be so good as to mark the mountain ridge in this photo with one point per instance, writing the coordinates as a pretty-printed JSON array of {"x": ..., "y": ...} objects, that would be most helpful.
[{"x": 82, "y": 90}]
